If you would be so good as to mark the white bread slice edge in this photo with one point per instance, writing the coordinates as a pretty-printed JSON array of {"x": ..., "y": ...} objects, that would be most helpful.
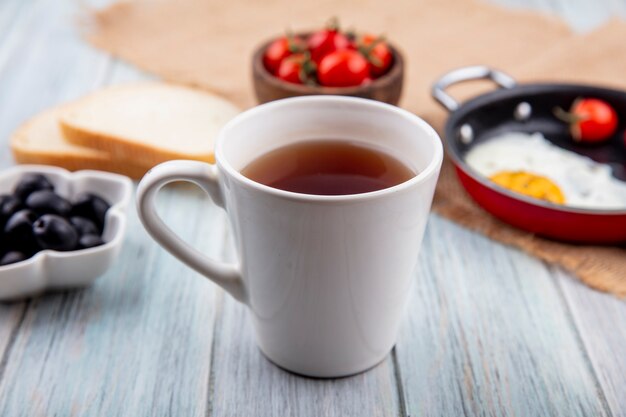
[
  {"x": 39, "y": 141},
  {"x": 150, "y": 122}
]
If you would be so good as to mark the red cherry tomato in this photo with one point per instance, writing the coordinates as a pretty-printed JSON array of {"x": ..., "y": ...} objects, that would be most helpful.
[
  {"x": 280, "y": 49},
  {"x": 591, "y": 120},
  {"x": 343, "y": 69},
  {"x": 377, "y": 53},
  {"x": 598, "y": 120},
  {"x": 326, "y": 41},
  {"x": 290, "y": 69}
]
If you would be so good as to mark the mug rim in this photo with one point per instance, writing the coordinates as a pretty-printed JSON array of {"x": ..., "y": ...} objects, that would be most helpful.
[{"x": 422, "y": 176}]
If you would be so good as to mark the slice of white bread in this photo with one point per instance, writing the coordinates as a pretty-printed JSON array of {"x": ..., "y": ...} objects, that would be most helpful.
[
  {"x": 39, "y": 141},
  {"x": 148, "y": 122}
]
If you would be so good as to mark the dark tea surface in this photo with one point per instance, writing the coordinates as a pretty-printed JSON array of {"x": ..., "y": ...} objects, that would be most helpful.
[{"x": 328, "y": 167}]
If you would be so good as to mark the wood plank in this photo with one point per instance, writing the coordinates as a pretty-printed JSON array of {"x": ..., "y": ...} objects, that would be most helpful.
[
  {"x": 25, "y": 89},
  {"x": 11, "y": 11},
  {"x": 600, "y": 319},
  {"x": 11, "y": 319},
  {"x": 42, "y": 63},
  {"x": 487, "y": 334},
  {"x": 138, "y": 342},
  {"x": 597, "y": 316},
  {"x": 11, "y": 315},
  {"x": 586, "y": 15},
  {"x": 14, "y": 14},
  {"x": 582, "y": 15}
]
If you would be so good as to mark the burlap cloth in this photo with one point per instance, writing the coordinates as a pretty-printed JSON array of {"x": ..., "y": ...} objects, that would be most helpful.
[{"x": 209, "y": 43}]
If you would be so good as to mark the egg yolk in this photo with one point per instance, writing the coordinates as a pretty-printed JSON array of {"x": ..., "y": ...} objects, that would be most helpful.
[{"x": 529, "y": 184}]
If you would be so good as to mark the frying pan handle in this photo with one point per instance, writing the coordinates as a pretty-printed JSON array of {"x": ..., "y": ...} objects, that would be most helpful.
[{"x": 478, "y": 72}]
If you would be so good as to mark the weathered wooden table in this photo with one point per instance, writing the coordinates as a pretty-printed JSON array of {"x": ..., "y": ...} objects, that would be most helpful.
[{"x": 490, "y": 330}]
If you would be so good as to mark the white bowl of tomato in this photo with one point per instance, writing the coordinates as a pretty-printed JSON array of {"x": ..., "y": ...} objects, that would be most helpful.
[{"x": 328, "y": 61}]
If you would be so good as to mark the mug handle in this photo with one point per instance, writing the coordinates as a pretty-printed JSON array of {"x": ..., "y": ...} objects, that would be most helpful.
[{"x": 204, "y": 175}]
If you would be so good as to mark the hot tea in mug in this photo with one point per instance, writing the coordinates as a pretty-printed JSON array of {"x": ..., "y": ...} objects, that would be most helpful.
[{"x": 328, "y": 167}]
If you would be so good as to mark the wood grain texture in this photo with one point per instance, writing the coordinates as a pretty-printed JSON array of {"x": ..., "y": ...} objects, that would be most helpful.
[
  {"x": 598, "y": 317},
  {"x": 42, "y": 63},
  {"x": 600, "y": 320},
  {"x": 138, "y": 342},
  {"x": 10, "y": 13},
  {"x": 584, "y": 15},
  {"x": 488, "y": 335},
  {"x": 22, "y": 26},
  {"x": 11, "y": 319}
]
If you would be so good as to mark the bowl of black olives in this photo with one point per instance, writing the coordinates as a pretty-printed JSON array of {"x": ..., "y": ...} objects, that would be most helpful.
[{"x": 58, "y": 229}]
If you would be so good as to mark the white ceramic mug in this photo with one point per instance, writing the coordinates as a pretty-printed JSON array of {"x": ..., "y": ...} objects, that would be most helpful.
[{"x": 326, "y": 278}]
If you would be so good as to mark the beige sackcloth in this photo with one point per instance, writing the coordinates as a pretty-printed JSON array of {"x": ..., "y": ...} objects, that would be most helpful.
[{"x": 209, "y": 44}]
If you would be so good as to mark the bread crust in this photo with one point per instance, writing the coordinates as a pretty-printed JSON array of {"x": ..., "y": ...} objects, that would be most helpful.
[
  {"x": 24, "y": 152},
  {"x": 77, "y": 163},
  {"x": 120, "y": 147},
  {"x": 123, "y": 149}
]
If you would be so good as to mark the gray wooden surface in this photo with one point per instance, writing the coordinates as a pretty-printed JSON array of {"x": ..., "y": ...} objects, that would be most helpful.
[{"x": 490, "y": 331}]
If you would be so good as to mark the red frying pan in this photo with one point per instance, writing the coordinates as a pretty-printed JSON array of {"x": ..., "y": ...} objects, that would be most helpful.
[{"x": 529, "y": 108}]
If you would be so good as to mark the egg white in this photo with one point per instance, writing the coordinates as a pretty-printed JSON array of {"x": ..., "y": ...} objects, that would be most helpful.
[{"x": 584, "y": 182}]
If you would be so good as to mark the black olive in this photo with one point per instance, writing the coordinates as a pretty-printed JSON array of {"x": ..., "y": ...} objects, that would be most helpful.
[
  {"x": 54, "y": 232},
  {"x": 31, "y": 183},
  {"x": 19, "y": 231},
  {"x": 90, "y": 241},
  {"x": 84, "y": 226},
  {"x": 9, "y": 205},
  {"x": 92, "y": 207},
  {"x": 47, "y": 202},
  {"x": 12, "y": 257},
  {"x": 20, "y": 222}
]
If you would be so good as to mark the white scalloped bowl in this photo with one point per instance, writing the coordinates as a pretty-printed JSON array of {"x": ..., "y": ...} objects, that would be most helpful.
[{"x": 51, "y": 269}]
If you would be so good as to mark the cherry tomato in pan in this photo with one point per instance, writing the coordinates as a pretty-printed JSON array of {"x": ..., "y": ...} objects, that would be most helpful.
[
  {"x": 377, "y": 53},
  {"x": 280, "y": 49},
  {"x": 327, "y": 41},
  {"x": 343, "y": 69},
  {"x": 591, "y": 120}
]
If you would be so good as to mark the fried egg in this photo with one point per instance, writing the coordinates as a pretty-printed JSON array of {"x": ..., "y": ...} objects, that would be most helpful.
[{"x": 533, "y": 166}]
